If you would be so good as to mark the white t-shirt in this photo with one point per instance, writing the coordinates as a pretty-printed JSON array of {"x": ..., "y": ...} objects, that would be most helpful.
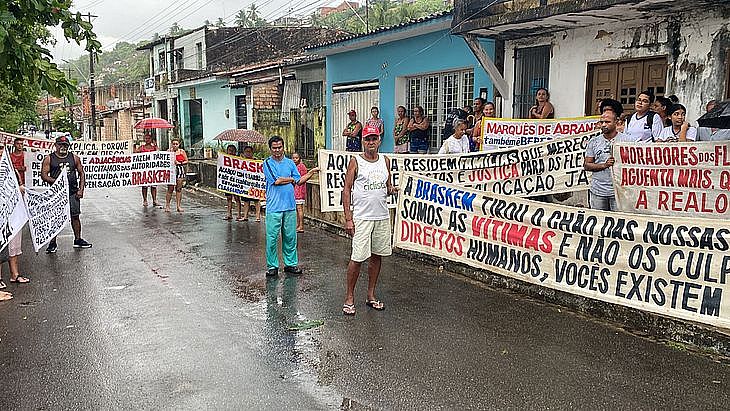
[
  {"x": 667, "y": 135},
  {"x": 639, "y": 129},
  {"x": 452, "y": 145}
]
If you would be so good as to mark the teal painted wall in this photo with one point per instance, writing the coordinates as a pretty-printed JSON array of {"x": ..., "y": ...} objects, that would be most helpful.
[
  {"x": 428, "y": 53},
  {"x": 215, "y": 101}
]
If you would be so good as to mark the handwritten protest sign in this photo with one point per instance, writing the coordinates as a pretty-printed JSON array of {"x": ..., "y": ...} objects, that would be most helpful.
[
  {"x": 502, "y": 132},
  {"x": 36, "y": 150},
  {"x": 13, "y": 215},
  {"x": 675, "y": 266},
  {"x": 49, "y": 211},
  {"x": 131, "y": 170},
  {"x": 550, "y": 167},
  {"x": 241, "y": 176},
  {"x": 686, "y": 179}
]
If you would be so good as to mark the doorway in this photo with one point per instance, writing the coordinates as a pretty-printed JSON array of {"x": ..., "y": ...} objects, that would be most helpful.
[{"x": 623, "y": 81}]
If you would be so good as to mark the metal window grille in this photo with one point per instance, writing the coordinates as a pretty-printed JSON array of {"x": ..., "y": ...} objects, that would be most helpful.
[
  {"x": 199, "y": 55},
  {"x": 437, "y": 94},
  {"x": 241, "y": 113},
  {"x": 532, "y": 69}
]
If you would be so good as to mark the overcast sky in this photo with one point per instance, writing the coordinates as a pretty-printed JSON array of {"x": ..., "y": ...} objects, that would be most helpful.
[{"x": 135, "y": 20}]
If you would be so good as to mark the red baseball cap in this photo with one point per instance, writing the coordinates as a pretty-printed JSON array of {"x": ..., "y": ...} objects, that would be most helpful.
[
  {"x": 63, "y": 140},
  {"x": 370, "y": 131}
]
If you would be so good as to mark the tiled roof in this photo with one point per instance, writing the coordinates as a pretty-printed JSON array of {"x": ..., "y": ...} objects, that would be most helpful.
[{"x": 420, "y": 20}]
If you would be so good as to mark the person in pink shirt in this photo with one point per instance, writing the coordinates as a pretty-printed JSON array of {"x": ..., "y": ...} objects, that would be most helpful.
[{"x": 300, "y": 192}]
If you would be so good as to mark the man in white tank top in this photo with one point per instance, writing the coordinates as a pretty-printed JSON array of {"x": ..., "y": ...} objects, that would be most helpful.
[{"x": 367, "y": 186}]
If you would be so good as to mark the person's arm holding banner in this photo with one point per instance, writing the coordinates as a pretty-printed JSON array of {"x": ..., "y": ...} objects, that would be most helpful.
[
  {"x": 347, "y": 195},
  {"x": 46, "y": 171},
  {"x": 392, "y": 189},
  {"x": 82, "y": 177}
]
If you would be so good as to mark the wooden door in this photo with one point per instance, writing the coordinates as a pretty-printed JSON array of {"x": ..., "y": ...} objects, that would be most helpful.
[
  {"x": 655, "y": 76},
  {"x": 603, "y": 85},
  {"x": 630, "y": 77}
]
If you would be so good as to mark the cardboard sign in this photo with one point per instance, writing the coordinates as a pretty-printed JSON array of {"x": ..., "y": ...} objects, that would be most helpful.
[
  {"x": 673, "y": 266},
  {"x": 241, "y": 176}
]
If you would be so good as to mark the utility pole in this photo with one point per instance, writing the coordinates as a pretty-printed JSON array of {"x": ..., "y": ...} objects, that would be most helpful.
[
  {"x": 367, "y": 17},
  {"x": 48, "y": 114},
  {"x": 92, "y": 91}
]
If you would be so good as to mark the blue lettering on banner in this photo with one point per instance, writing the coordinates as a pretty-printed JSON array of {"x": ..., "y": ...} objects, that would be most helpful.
[{"x": 448, "y": 197}]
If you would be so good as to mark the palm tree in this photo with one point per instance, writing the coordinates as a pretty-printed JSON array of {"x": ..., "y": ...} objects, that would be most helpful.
[
  {"x": 242, "y": 19},
  {"x": 253, "y": 13},
  {"x": 175, "y": 28},
  {"x": 406, "y": 12},
  {"x": 220, "y": 22}
]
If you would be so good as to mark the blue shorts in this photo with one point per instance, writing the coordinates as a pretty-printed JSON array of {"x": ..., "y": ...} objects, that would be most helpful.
[{"x": 419, "y": 146}]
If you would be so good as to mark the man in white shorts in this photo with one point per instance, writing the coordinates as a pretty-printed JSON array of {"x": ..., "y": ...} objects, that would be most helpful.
[{"x": 367, "y": 186}]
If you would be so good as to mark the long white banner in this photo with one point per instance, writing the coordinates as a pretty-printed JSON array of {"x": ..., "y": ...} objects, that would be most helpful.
[
  {"x": 550, "y": 167},
  {"x": 132, "y": 170},
  {"x": 677, "y": 179},
  {"x": 36, "y": 150},
  {"x": 13, "y": 215},
  {"x": 503, "y": 132},
  {"x": 673, "y": 266},
  {"x": 241, "y": 176},
  {"x": 49, "y": 211}
]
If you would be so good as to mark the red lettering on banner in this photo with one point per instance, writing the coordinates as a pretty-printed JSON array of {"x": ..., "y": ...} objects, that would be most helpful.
[
  {"x": 432, "y": 237},
  {"x": 643, "y": 177},
  {"x": 692, "y": 202},
  {"x": 660, "y": 155},
  {"x": 721, "y": 152},
  {"x": 150, "y": 177},
  {"x": 227, "y": 161},
  {"x": 512, "y": 234},
  {"x": 641, "y": 202}
]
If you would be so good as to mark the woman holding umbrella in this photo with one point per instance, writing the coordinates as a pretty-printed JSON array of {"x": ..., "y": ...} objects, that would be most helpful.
[{"x": 181, "y": 159}]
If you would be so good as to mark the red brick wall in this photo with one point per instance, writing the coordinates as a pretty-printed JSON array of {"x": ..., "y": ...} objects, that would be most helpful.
[{"x": 267, "y": 96}]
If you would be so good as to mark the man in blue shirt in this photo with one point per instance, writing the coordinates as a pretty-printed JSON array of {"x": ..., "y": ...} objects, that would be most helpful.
[{"x": 281, "y": 215}]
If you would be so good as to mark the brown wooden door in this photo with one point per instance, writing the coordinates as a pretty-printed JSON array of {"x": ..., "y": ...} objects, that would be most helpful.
[
  {"x": 623, "y": 81},
  {"x": 604, "y": 84}
]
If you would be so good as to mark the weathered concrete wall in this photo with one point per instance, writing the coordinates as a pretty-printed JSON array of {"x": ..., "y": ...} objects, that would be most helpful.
[{"x": 695, "y": 44}]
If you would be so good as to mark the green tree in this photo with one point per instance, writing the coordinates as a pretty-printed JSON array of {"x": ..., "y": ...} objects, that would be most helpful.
[
  {"x": 61, "y": 121},
  {"x": 220, "y": 22},
  {"x": 253, "y": 13},
  {"x": 242, "y": 19},
  {"x": 24, "y": 37},
  {"x": 16, "y": 108}
]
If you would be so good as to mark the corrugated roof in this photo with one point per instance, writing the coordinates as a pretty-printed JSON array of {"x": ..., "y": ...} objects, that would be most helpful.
[{"x": 413, "y": 22}]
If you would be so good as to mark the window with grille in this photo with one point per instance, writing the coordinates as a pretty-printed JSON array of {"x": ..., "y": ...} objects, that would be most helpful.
[
  {"x": 241, "y": 114},
  {"x": 199, "y": 55},
  {"x": 437, "y": 94}
]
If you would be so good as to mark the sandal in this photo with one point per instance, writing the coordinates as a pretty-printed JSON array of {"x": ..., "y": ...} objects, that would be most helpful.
[
  {"x": 375, "y": 305},
  {"x": 2, "y": 285},
  {"x": 348, "y": 309},
  {"x": 5, "y": 296},
  {"x": 227, "y": 217},
  {"x": 242, "y": 219},
  {"x": 20, "y": 280}
]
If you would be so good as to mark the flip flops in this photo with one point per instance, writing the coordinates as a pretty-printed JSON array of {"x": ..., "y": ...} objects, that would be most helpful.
[
  {"x": 2, "y": 285},
  {"x": 20, "y": 280},
  {"x": 375, "y": 305},
  {"x": 5, "y": 296},
  {"x": 348, "y": 309}
]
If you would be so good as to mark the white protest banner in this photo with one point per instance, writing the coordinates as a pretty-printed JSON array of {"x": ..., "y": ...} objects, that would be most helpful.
[
  {"x": 13, "y": 214},
  {"x": 36, "y": 150},
  {"x": 673, "y": 179},
  {"x": 502, "y": 132},
  {"x": 241, "y": 176},
  {"x": 674, "y": 266},
  {"x": 550, "y": 167},
  {"x": 49, "y": 211},
  {"x": 132, "y": 170}
]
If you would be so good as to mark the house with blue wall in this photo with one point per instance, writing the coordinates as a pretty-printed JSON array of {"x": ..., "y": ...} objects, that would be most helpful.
[{"x": 414, "y": 63}]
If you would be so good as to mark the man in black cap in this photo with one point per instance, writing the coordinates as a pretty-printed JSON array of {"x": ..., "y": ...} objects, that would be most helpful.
[{"x": 53, "y": 165}]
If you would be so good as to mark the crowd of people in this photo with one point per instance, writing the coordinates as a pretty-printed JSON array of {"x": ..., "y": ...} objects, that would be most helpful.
[{"x": 655, "y": 120}]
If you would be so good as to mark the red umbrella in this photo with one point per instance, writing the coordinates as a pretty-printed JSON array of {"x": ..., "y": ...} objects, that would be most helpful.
[{"x": 153, "y": 122}]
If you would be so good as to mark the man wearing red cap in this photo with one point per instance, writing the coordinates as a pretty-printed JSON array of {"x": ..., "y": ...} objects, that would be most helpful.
[
  {"x": 53, "y": 165},
  {"x": 352, "y": 132},
  {"x": 367, "y": 186}
]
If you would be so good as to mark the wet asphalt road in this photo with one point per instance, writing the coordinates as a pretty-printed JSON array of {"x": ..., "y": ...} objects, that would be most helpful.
[{"x": 171, "y": 311}]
